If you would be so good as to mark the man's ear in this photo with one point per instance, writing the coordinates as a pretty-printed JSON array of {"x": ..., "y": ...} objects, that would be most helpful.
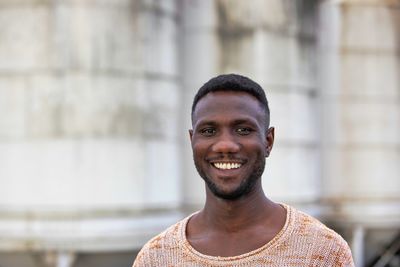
[
  {"x": 269, "y": 138},
  {"x": 190, "y": 134}
]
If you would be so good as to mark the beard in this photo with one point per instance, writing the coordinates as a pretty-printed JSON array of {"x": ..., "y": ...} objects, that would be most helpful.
[{"x": 244, "y": 188}]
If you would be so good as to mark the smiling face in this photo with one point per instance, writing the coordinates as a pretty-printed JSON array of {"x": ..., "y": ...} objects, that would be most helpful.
[{"x": 230, "y": 141}]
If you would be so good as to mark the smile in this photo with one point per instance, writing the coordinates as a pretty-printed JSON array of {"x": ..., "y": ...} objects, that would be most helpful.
[{"x": 226, "y": 166}]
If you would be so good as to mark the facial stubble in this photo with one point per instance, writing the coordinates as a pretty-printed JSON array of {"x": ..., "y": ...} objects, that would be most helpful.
[{"x": 245, "y": 187}]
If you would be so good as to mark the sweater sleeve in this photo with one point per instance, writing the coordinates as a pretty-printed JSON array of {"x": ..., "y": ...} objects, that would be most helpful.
[
  {"x": 143, "y": 259},
  {"x": 344, "y": 257},
  {"x": 139, "y": 260}
]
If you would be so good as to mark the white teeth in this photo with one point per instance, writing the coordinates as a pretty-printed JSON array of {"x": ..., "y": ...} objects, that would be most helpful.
[{"x": 227, "y": 166}]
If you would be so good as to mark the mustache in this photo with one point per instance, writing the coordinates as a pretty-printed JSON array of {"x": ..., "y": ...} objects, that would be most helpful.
[{"x": 226, "y": 157}]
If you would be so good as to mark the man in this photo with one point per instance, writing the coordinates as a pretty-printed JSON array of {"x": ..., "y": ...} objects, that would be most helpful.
[{"x": 239, "y": 225}]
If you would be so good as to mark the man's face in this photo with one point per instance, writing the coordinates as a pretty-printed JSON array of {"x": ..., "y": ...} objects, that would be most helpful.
[{"x": 230, "y": 142}]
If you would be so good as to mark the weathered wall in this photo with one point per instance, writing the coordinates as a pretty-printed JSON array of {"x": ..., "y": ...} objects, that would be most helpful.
[
  {"x": 360, "y": 84},
  {"x": 362, "y": 108},
  {"x": 89, "y": 95},
  {"x": 87, "y": 103}
]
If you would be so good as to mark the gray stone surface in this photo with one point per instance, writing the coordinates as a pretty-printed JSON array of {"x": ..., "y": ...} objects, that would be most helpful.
[
  {"x": 23, "y": 42},
  {"x": 360, "y": 113},
  {"x": 13, "y": 98}
]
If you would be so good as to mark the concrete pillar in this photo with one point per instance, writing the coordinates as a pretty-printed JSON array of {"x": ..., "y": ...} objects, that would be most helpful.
[
  {"x": 200, "y": 57},
  {"x": 357, "y": 245},
  {"x": 59, "y": 259},
  {"x": 360, "y": 81}
]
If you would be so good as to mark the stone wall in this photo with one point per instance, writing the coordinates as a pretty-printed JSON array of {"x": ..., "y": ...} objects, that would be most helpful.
[
  {"x": 89, "y": 95},
  {"x": 88, "y": 103},
  {"x": 360, "y": 84}
]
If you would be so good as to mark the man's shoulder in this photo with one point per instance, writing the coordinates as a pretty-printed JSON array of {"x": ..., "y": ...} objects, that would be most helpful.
[
  {"x": 312, "y": 235},
  {"x": 167, "y": 238},
  {"x": 312, "y": 227},
  {"x": 161, "y": 245}
]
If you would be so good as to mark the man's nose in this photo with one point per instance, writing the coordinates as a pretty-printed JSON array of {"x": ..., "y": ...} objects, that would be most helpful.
[{"x": 225, "y": 144}]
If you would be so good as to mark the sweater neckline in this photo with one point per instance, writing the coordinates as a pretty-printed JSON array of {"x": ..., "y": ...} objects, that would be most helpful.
[{"x": 282, "y": 234}]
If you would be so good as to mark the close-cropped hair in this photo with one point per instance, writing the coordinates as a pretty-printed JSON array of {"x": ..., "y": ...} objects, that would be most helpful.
[{"x": 233, "y": 83}]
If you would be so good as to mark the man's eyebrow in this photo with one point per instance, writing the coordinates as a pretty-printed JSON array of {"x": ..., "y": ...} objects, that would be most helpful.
[
  {"x": 247, "y": 120},
  {"x": 243, "y": 121},
  {"x": 206, "y": 122}
]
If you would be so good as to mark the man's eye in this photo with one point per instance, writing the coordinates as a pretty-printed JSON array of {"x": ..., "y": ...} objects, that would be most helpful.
[
  {"x": 244, "y": 131},
  {"x": 208, "y": 132}
]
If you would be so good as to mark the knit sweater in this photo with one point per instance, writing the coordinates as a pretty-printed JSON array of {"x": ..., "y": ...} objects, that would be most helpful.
[{"x": 303, "y": 241}]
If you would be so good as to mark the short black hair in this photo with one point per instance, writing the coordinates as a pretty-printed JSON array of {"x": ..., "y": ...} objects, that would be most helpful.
[{"x": 234, "y": 83}]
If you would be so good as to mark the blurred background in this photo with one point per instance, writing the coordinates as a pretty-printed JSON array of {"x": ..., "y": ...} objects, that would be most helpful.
[{"x": 95, "y": 100}]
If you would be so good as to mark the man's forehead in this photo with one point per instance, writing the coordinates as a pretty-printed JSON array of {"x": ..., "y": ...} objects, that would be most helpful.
[
  {"x": 218, "y": 102},
  {"x": 228, "y": 99}
]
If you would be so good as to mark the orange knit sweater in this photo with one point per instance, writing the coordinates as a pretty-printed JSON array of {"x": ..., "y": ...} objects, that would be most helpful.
[{"x": 303, "y": 241}]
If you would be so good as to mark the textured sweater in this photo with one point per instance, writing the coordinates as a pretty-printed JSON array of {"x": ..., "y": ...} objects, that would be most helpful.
[{"x": 303, "y": 241}]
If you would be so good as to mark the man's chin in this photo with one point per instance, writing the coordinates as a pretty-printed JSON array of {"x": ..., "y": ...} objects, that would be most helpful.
[{"x": 228, "y": 194}]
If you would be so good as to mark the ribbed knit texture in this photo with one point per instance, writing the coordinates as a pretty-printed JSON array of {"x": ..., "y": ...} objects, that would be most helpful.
[{"x": 303, "y": 241}]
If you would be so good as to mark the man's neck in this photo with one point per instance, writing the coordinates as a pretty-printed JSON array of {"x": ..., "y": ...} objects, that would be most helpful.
[
  {"x": 233, "y": 215},
  {"x": 234, "y": 227}
]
